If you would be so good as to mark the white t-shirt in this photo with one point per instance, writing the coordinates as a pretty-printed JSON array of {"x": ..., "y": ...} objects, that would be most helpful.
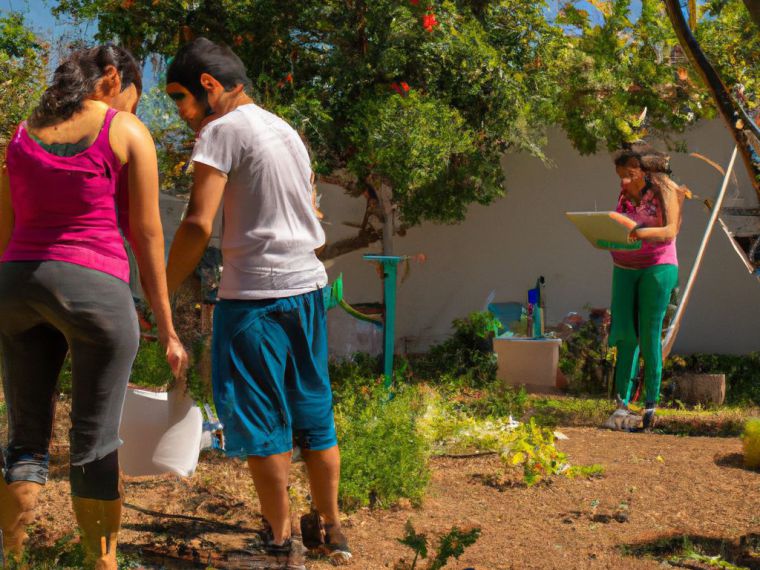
[{"x": 270, "y": 229}]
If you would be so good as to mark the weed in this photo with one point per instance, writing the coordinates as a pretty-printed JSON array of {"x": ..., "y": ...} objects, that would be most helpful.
[{"x": 450, "y": 545}]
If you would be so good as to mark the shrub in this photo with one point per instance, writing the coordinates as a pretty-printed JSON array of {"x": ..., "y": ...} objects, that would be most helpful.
[
  {"x": 751, "y": 441},
  {"x": 384, "y": 457},
  {"x": 586, "y": 359},
  {"x": 150, "y": 368},
  {"x": 468, "y": 354}
]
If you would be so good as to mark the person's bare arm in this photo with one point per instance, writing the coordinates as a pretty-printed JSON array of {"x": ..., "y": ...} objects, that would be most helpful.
[
  {"x": 6, "y": 210},
  {"x": 670, "y": 196},
  {"x": 194, "y": 232},
  {"x": 147, "y": 232}
]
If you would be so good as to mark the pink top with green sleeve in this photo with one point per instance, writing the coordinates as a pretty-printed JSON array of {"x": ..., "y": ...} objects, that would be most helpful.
[
  {"x": 65, "y": 207},
  {"x": 647, "y": 214}
]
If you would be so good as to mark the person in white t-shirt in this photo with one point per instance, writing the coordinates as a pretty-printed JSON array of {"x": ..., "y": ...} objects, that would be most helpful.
[{"x": 269, "y": 373}]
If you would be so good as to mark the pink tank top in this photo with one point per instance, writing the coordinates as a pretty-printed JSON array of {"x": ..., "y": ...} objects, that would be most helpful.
[
  {"x": 648, "y": 214},
  {"x": 65, "y": 207}
]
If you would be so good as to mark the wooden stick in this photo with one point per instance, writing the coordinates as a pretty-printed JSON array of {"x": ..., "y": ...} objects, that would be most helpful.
[{"x": 670, "y": 335}]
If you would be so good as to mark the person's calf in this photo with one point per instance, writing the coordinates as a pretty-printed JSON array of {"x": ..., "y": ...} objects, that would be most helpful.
[
  {"x": 323, "y": 467},
  {"x": 270, "y": 478},
  {"x": 18, "y": 501}
]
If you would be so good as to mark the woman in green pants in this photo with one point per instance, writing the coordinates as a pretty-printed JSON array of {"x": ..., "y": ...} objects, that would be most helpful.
[{"x": 643, "y": 279}]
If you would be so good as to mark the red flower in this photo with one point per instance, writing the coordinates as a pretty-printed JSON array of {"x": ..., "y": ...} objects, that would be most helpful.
[
  {"x": 289, "y": 78},
  {"x": 429, "y": 22},
  {"x": 402, "y": 88},
  {"x": 415, "y": 2}
]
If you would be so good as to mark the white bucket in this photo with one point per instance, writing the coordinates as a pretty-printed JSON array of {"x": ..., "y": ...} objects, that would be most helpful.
[{"x": 161, "y": 433}]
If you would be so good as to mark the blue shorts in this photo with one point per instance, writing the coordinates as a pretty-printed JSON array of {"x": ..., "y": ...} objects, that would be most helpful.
[{"x": 270, "y": 379}]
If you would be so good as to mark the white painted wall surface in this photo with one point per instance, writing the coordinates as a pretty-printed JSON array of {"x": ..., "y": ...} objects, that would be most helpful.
[{"x": 507, "y": 245}]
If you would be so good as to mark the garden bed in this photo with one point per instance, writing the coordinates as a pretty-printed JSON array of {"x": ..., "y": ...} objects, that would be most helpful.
[{"x": 655, "y": 486}]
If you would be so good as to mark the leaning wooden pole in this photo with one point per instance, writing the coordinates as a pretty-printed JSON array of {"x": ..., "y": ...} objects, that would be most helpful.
[
  {"x": 675, "y": 325},
  {"x": 740, "y": 129}
]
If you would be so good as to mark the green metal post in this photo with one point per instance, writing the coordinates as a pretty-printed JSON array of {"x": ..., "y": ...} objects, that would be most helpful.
[{"x": 390, "y": 271}]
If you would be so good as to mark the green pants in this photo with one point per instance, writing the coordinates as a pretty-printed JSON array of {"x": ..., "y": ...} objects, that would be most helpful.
[{"x": 640, "y": 298}]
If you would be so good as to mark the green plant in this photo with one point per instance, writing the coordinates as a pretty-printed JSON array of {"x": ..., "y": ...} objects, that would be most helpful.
[
  {"x": 450, "y": 545},
  {"x": 495, "y": 400},
  {"x": 751, "y": 442},
  {"x": 467, "y": 354},
  {"x": 384, "y": 456},
  {"x": 532, "y": 449},
  {"x": 527, "y": 448}
]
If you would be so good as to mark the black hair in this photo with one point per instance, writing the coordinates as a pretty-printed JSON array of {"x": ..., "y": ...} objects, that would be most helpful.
[
  {"x": 650, "y": 159},
  {"x": 200, "y": 56},
  {"x": 76, "y": 78}
]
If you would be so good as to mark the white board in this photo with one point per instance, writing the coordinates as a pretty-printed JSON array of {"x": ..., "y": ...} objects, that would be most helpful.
[{"x": 605, "y": 230}]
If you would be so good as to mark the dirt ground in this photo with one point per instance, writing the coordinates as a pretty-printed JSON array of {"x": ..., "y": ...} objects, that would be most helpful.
[{"x": 656, "y": 487}]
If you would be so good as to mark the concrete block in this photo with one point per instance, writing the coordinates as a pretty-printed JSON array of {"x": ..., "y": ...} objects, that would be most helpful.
[{"x": 528, "y": 362}]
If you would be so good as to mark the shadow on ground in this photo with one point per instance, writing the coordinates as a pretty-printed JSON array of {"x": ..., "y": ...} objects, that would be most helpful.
[
  {"x": 699, "y": 552},
  {"x": 732, "y": 461}
]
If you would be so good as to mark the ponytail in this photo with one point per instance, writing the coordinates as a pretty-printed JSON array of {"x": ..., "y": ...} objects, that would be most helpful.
[{"x": 76, "y": 79}]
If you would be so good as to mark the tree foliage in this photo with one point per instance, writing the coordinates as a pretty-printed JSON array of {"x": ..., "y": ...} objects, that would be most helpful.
[
  {"x": 23, "y": 60},
  {"x": 413, "y": 103}
]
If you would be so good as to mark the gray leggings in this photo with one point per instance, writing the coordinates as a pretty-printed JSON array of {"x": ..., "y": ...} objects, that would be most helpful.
[{"x": 46, "y": 309}]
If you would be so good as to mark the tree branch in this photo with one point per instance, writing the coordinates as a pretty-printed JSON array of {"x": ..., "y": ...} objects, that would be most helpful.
[
  {"x": 721, "y": 96},
  {"x": 363, "y": 239}
]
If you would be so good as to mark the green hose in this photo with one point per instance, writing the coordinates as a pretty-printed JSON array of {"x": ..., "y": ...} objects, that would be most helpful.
[{"x": 333, "y": 297}]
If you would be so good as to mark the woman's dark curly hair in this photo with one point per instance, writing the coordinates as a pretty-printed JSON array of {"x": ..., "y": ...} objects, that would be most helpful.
[
  {"x": 650, "y": 159},
  {"x": 75, "y": 79}
]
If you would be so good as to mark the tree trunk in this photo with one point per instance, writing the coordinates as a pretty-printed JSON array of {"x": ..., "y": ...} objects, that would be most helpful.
[
  {"x": 754, "y": 10},
  {"x": 385, "y": 194},
  {"x": 740, "y": 130}
]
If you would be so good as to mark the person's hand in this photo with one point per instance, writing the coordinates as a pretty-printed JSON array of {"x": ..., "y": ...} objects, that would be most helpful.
[{"x": 176, "y": 356}]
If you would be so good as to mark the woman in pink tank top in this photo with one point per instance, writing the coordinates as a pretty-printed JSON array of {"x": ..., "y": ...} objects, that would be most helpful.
[
  {"x": 643, "y": 279},
  {"x": 64, "y": 288}
]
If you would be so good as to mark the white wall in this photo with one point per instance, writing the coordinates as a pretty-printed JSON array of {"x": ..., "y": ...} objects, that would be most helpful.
[{"x": 507, "y": 245}]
